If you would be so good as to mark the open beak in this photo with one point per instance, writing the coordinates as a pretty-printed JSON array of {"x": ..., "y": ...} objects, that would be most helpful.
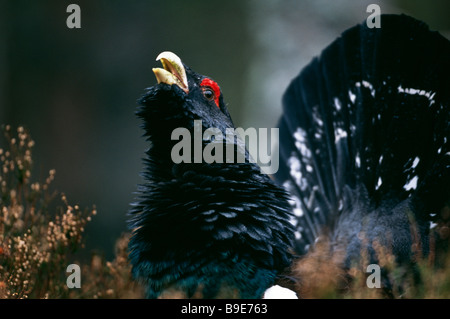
[{"x": 173, "y": 72}]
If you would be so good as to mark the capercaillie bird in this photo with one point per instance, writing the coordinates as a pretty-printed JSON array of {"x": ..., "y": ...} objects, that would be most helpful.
[{"x": 364, "y": 148}]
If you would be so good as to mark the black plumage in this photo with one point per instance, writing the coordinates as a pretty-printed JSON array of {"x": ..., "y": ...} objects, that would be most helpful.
[
  {"x": 365, "y": 134},
  {"x": 220, "y": 229},
  {"x": 364, "y": 146}
]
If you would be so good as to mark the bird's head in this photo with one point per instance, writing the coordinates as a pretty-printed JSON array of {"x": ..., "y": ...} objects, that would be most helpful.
[{"x": 180, "y": 97}]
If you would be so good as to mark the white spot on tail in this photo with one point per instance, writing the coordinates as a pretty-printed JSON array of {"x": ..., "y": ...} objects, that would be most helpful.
[
  {"x": 317, "y": 119},
  {"x": 341, "y": 205},
  {"x": 294, "y": 165},
  {"x": 278, "y": 292},
  {"x": 339, "y": 134},
  {"x": 378, "y": 183},
  {"x": 352, "y": 96},
  {"x": 370, "y": 87},
  {"x": 337, "y": 104},
  {"x": 412, "y": 184},
  {"x": 300, "y": 142},
  {"x": 358, "y": 160},
  {"x": 293, "y": 221},
  {"x": 416, "y": 161},
  {"x": 352, "y": 129},
  {"x": 367, "y": 85},
  {"x": 429, "y": 95},
  {"x": 298, "y": 212}
]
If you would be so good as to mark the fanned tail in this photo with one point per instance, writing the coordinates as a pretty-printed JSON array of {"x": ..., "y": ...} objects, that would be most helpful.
[{"x": 368, "y": 119}]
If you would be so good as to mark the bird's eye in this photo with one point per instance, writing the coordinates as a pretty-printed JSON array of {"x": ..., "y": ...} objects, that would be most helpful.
[
  {"x": 208, "y": 93},
  {"x": 211, "y": 90}
]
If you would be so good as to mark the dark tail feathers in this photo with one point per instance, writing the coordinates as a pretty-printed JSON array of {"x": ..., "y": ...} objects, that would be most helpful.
[{"x": 372, "y": 113}]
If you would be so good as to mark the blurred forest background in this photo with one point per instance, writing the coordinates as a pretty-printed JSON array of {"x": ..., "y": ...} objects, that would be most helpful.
[{"x": 75, "y": 90}]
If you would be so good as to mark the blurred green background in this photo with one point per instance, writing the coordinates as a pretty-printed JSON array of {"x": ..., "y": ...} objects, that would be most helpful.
[{"x": 76, "y": 89}]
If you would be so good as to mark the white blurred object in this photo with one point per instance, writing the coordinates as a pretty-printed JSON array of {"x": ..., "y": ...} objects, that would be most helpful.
[{"x": 278, "y": 292}]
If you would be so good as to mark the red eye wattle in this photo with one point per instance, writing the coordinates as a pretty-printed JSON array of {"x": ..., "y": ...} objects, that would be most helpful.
[{"x": 214, "y": 87}]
